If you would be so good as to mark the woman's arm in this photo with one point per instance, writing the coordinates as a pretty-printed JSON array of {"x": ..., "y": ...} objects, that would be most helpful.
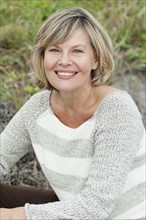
[
  {"x": 15, "y": 143},
  {"x": 12, "y": 214},
  {"x": 15, "y": 139}
]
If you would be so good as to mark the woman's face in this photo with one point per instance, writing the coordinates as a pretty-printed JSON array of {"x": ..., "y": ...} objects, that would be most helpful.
[{"x": 68, "y": 65}]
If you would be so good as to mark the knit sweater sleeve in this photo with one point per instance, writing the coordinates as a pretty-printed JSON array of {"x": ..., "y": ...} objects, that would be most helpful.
[
  {"x": 117, "y": 135},
  {"x": 15, "y": 141},
  {"x": 16, "y": 137}
]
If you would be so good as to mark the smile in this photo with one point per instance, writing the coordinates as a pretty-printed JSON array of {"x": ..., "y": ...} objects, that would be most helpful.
[{"x": 65, "y": 73}]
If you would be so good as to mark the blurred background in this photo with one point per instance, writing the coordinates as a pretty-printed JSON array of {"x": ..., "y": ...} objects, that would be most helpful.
[{"x": 125, "y": 21}]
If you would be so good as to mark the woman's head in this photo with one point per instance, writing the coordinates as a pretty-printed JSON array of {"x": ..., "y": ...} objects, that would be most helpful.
[{"x": 58, "y": 28}]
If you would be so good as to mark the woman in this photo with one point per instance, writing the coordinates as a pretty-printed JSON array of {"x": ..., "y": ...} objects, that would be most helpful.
[{"x": 87, "y": 136}]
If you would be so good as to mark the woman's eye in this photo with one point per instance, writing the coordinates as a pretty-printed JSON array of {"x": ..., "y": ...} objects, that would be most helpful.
[
  {"x": 78, "y": 51},
  {"x": 54, "y": 50}
]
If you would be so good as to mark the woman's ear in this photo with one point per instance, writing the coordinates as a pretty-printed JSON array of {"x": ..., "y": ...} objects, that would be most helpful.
[{"x": 95, "y": 65}]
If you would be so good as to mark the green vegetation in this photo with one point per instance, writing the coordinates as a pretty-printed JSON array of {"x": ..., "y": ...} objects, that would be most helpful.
[{"x": 20, "y": 20}]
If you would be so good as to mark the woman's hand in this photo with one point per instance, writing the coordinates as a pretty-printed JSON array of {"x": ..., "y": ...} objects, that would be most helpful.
[
  {"x": 5, "y": 214},
  {"x": 12, "y": 214}
]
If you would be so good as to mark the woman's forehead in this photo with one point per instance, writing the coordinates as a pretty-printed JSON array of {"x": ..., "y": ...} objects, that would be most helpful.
[{"x": 78, "y": 38}]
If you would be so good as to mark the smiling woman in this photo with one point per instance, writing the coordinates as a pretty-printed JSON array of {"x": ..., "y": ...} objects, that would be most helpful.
[
  {"x": 58, "y": 28},
  {"x": 69, "y": 64},
  {"x": 87, "y": 136}
]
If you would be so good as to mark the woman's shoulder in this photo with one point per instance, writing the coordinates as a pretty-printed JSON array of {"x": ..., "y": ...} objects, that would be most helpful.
[
  {"x": 38, "y": 102},
  {"x": 118, "y": 106},
  {"x": 34, "y": 107},
  {"x": 114, "y": 96},
  {"x": 44, "y": 94},
  {"x": 116, "y": 103},
  {"x": 41, "y": 97}
]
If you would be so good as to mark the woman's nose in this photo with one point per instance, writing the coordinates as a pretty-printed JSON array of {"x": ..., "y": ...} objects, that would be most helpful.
[{"x": 65, "y": 60}]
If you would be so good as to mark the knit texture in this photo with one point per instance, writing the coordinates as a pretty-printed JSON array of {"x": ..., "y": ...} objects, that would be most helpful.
[{"x": 97, "y": 169}]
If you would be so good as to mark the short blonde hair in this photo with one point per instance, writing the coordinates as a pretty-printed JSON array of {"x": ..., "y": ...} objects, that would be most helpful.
[{"x": 57, "y": 28}]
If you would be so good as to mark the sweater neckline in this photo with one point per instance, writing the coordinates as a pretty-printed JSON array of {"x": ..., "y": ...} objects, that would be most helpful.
[{"x": 104, "y": 100}]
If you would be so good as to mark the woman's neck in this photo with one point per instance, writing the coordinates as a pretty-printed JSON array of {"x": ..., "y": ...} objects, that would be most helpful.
[
  {"x": 74, "y": 109},
  {"x": 75, "y": 101}
]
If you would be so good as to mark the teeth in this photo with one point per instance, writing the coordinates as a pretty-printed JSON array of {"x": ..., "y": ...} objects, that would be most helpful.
[{"x": 65, "y": 74}]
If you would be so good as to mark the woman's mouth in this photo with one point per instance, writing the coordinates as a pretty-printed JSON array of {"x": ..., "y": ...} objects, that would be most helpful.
[{"x": 65, "y": 75}]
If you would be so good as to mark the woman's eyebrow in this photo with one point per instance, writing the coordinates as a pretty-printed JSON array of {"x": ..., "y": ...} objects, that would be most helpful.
[
  {"x": 79, "y": 45},
  {"x": 73, "y": 46}
]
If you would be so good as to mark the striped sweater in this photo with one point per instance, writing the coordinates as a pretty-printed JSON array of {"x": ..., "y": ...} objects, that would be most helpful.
[{"x": 96, "y": 170}]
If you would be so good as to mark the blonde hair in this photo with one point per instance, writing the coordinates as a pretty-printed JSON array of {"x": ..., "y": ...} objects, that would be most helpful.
[{"x": 57, "y": 28}]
